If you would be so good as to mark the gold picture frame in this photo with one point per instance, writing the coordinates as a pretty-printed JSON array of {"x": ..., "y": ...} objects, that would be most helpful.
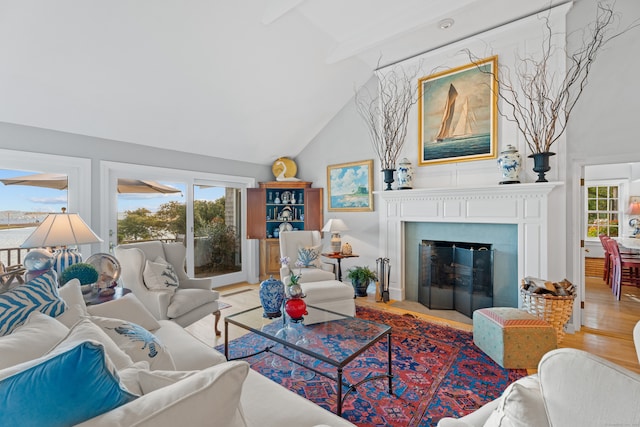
[
  {"x": 350, "y": 187},
  {"x": 458, "y": 114}
]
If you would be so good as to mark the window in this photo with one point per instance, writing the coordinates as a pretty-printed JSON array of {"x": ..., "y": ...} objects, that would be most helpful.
[{"x": 603, "y": 209}]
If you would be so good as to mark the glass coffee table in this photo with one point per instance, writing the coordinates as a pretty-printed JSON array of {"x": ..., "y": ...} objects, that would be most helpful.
[{"x": 333, "y": 338}]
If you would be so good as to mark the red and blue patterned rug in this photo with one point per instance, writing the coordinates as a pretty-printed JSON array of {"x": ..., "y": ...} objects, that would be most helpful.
[{"x": 438, "y": 372}]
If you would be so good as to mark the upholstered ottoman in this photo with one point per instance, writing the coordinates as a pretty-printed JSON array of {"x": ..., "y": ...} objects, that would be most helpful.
[
  {"x": 330, "y": 295},
  {"x": 513, "y": 338}
]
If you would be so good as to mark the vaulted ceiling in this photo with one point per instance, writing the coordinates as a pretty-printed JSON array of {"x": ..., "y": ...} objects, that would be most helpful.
[{"x": 239, "y": 79}]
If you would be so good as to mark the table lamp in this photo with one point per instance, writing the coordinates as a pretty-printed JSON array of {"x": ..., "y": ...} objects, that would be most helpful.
[
  {"x": 634, "y": 209},
  {"x": 335, "y": 226},
  {"x": 62, "y": 229}
]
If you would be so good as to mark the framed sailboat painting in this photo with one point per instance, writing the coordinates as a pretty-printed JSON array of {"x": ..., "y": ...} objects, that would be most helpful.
[{"x": 457, "y": 114}]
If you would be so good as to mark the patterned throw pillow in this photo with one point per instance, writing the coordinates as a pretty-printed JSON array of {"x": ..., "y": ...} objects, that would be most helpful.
[
  {"x": 159, "y": 275},
  {"x": 136, "y": 341},
  {"x": 39, "y": 294},
  {"x": 309, "y": 257}
]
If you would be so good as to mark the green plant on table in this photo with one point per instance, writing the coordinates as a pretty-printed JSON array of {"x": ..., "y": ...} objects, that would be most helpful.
[{"x": 85, "y": 273}]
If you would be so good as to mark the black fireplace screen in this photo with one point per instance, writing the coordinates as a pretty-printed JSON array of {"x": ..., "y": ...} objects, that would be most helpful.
[{"x": 455, "y": 276}]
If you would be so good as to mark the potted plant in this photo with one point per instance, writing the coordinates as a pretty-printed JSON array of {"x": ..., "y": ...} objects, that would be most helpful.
[
  {"x": 86, "y": 273},
  {"x": 360, "y": 278}
]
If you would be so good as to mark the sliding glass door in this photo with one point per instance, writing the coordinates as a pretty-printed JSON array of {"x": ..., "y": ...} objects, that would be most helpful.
[{"x": 202, "y": 211}]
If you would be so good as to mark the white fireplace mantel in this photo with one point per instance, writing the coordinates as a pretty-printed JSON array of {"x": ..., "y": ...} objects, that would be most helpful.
[{"x": 527, "y": 205}]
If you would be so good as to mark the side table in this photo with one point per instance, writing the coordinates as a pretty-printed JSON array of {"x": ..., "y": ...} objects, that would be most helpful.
[
  {"x": 99, "y": 299},
  {"x": 338, "y": 257}
]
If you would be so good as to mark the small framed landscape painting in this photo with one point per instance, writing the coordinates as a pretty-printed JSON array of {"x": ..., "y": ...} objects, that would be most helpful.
[
  {"x": 350, "y": 186},
  {"x": 457, "y": 114}
]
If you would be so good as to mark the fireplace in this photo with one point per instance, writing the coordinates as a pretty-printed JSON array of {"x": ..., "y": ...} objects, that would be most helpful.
[
  {"x": 525, "y": 208},
  {"x": 455, "y": 275}
]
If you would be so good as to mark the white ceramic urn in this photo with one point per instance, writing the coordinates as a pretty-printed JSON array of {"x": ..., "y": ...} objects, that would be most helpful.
[
  {"x": 510, "y": 164},
  {"x": 405, "y": 174}
]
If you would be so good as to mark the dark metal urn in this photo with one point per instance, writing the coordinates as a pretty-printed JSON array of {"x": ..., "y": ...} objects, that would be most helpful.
[
  {"x": 388, "y": 177},
  {"x": 541, "y": 164}
]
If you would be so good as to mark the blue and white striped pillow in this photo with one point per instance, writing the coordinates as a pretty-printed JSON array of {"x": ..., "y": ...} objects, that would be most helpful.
[{"x": 39, "y": 294}]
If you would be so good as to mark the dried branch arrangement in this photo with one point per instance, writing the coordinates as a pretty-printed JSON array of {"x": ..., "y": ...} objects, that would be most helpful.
[
  {"x": 539, "y": 100},
  {"x": 386, "y": 112}
]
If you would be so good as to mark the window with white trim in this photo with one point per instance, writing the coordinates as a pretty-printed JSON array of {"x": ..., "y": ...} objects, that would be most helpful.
[{"x": 603, "y": 209}]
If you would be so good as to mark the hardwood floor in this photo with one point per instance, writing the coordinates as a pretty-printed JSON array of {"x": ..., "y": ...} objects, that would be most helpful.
[{"x": 607, "y": 330}]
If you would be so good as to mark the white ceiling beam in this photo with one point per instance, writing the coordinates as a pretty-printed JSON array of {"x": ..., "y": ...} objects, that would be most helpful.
[
  {"x": 277, "y": 8},
  {"x": 397, "y": 26}
]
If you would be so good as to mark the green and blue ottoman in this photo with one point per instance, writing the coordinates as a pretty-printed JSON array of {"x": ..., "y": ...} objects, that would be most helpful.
[{"x": 513, "y": 338}]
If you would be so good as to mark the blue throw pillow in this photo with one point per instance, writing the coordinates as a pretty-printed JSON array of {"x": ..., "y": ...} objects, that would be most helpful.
[
  {"x": 39, "y": 294},
  {"x": 63, "y": 390}
]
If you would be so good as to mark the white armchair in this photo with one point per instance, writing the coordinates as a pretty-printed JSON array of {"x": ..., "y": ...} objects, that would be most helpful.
[
  {"x": 290, "y": 243},
  {"x": 191, "y": 301}
]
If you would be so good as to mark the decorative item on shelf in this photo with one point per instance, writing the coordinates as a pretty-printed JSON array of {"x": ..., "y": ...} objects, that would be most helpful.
[
  {"x": 405, "y": 174},
  {"x": 388, "y": 177},
  {"x": 286, "y": 197},
  {"x": 284, "y": 169},
  {"x": 360, "y": 278},
  {"x": 634, "y": 222},
  {"x": 293, "y": 198},
  {"x": 277, "y": 199},
  {"x": 37, "y": 262},
  {"x": 510, "y": 164},
  {"x": 286, "y": 214},
  {"x": 271, "y": 297},
  {"x": 276, "y": 233},
  {"x": 346, "y": 249},
  {"x": 62, "y": 229},
  {"x": 86, "y": 273},
  {"x": 335, "y": 226},
  {"x": 539, "y": 99},
  {"x": 541, "y": 164},
  {"x": 285, "y": 226}
]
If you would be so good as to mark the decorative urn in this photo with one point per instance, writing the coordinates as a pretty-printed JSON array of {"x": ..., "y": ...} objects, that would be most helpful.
[
  {"x": 271, "y": 297},
  {"x": 510, "y": 165},
  {"x": 405, "y": 174}
]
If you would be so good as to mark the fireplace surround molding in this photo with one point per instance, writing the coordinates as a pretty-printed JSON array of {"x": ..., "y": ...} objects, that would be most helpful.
[{"x": 526, "y": 205}]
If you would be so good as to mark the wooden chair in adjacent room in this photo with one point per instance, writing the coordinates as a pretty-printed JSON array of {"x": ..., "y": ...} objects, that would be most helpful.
[{"x": 625, "y": 270}]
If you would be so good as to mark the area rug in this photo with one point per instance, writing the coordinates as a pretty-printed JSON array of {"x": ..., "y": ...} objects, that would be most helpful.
[{"x": 438, "y": 372}]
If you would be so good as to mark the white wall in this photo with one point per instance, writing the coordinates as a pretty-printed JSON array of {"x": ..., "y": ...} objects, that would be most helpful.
[
  {"x": 346, "y": 139},
  {"x": 30, "y": 139},
  {"x": 603, "y": 124}
]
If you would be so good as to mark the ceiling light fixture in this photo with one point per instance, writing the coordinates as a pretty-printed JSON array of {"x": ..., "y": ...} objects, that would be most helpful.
[{"x": 445, "y": 24}]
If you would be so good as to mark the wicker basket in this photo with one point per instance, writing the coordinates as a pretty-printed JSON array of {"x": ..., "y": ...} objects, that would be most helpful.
[{"x": 556, "y": 310}]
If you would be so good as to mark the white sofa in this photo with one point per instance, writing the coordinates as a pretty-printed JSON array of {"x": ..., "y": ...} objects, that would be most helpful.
[
  {"x": 572, "y": 388},
  {"x": 200, "y": 388}
]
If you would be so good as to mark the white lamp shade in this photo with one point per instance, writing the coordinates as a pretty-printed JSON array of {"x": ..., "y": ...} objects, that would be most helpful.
[
  {"x": 335, "y": 226},
  {"x": 61, "y": 229}
]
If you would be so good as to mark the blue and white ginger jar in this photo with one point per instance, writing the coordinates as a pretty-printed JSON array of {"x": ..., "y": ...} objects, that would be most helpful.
[
  {"x": 510, "y": 165},
  {"x": 271, "y": 297},
  {"x": 405, "y": 174}
]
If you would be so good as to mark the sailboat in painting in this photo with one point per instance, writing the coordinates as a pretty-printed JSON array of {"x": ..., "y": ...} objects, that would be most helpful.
[{"x": 466, "y": 123}]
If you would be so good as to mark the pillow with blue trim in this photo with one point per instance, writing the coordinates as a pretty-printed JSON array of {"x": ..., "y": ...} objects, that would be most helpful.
[
  {"x": 136, "y": 341},
  {"x": 308, "y": 257},
  {"x": 62, "y": 389},
  {"x": 39, "y": 294}
]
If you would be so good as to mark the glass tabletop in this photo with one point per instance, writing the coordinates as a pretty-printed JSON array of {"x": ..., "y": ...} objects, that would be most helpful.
[{"x": 332, "y": 337}]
